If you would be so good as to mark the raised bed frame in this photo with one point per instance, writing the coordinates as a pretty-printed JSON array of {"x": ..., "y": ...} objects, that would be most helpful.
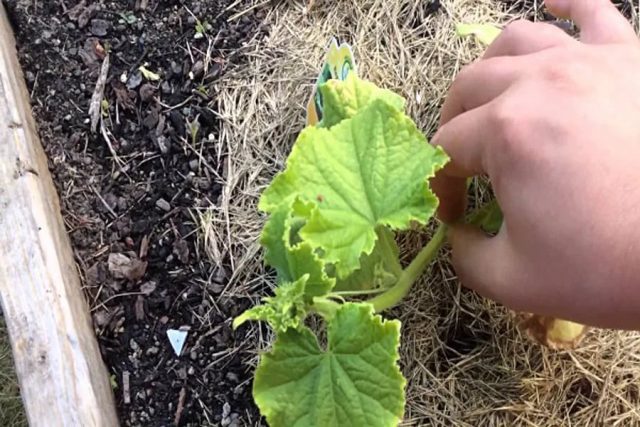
[{"x": 63, "y": 380}]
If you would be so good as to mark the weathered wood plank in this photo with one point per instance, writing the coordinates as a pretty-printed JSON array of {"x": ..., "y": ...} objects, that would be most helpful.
[{"x": 62, "y": 377}]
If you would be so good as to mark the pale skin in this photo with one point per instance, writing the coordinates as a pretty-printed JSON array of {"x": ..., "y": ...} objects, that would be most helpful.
[{"x": 555, "y": 124}]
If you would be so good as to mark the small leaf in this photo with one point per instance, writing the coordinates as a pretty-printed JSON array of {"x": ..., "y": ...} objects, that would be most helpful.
[
  {"x": 287, "y": 309},
  {"x": 292, "y": 262},
  {"x": 484, "y": 33},
  {"x": 371, "y": 170},
  {"x": 355, "y": 381},
  {"x": 343, "y": 99},
  {"x": 148, "y": 74},
  {"x": 375, "y": 271},
  {"x": 489, "y": 217}
]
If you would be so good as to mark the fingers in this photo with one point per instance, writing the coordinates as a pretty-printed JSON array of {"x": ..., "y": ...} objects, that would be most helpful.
[
  {"x": 464, "y": 138},
  {"x": 524, "y": 37},
  {"x": 452, "y": 193},
  {"x": 479, "y": 83},
  {"x": 599, "y": 21},
  {"x": 484, "y": 263}
]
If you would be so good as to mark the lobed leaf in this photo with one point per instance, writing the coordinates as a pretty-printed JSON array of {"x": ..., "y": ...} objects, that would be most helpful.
[
  {"x": 293, "y": 261},
  {"x": 344, "y": 99},
  {"x": 365, "y": 172},
  {"x": 355, "y": 381}
]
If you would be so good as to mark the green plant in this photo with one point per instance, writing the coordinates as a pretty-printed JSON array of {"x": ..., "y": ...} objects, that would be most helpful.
[
  {"x": 201, "y": 29},
  {"x": 350, "y": 184}
]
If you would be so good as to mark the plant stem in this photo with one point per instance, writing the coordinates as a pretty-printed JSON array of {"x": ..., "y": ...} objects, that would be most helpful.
[
  {"x": 325, "y": 307},
  {"x": 356, "y": 293},
  {"x": 390, "y": 256},
  {"x": 394, "y": 295}
]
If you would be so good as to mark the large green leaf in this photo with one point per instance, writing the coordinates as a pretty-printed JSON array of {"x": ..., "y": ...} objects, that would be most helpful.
[
  {"x": 344, "y": 99},
  {"x": 293, "y": 260},
  {"x": 354, "y": 382},
  {"x": 285, "y": 310},
  {"x": 367, "y": 171}
]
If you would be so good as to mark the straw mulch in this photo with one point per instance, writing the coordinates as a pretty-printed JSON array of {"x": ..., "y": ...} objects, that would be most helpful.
[{"x": 466, "y": 361}]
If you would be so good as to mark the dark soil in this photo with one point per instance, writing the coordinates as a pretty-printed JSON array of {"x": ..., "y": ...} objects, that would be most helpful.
[{"x": 129, "y": 190}]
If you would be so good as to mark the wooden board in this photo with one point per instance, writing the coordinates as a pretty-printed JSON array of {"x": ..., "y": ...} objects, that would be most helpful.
[{"x": 62, "y": 377}]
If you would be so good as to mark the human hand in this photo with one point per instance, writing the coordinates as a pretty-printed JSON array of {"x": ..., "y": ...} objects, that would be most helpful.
[{"x": 555, "y": 123}]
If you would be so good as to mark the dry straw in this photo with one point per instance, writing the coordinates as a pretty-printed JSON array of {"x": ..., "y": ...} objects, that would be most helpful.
[{"x": 466, "y": 361}]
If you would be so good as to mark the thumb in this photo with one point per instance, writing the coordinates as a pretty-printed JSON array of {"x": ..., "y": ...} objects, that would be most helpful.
[
  {"x": 599, "y": 20},
  {"x": 483, "y": 263}
]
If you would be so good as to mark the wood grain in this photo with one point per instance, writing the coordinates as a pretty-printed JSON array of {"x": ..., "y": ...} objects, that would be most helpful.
[{"x": 62, "y": 377}]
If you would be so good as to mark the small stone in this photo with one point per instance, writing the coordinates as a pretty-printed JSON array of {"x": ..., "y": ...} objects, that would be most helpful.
[
  {"x": 194, "y": 164},
  {"x": 147, "y": 91},
  {"x": 99, "y": 27},
  {"x": 134, "y": 80},
  {"x": 166, "y": 88},
  {"x": 148, "y": 287},
  {"x": 191, "y": 370},
  {"x": 232, "y": 377},
  {"x": 226, "y": 410},
  {"x": 163, "y": 204},
  {"x": 134, "y": 345},
  {"x": 176, "y": 68},
  {"x": 193, "y": 355},
  {"x": 181, "y": 250},
  {"x": 182, "y": 373},
  {"x": 197, "y": 69},
  {"x": 164, "y": 144},
  {"x": 151, "y": 351}
]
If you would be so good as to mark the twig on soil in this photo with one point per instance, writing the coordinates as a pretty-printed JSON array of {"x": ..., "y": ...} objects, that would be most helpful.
[
  {"x": 104, "y": 203},
  {"x": 106, "y": 135},
  {"x": 126, "y": 392},
  {"x": 111, "y": 298},
  {"x": 95, "y": 108},
  {"x": 171, "y": 108},
  {"x": 247, "y": 10},
  {"x": 180, "y": 408}
]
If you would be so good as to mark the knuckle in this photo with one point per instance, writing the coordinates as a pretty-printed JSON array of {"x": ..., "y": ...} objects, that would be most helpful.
[
  {"x": 564, "y": 69},
  {"x": 517, "y": 27},
  {"x": 514, "y": 125},
  {"x": 507, "y": 120}
]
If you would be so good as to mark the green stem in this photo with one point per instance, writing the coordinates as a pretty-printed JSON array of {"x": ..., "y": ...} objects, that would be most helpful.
[
  {"x": 419, "y": 264},
  {"x": 356, "y": 293},
  {"x": 325, "y": 307},
  {"x": 390, "y": 256}
]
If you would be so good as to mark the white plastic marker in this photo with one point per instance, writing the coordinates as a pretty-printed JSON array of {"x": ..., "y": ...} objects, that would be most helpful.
[{"x": 177, "y": 339}]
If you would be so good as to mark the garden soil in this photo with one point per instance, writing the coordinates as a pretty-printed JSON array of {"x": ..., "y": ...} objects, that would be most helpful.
[{"x": 130, "y": 190}]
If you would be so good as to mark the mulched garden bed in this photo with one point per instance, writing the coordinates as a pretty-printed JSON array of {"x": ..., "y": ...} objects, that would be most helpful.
[{"x": 130, "y": 190}]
